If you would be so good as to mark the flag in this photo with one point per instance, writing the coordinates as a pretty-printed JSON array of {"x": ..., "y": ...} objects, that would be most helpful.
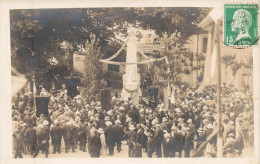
[{"x": 34, "y": 88}]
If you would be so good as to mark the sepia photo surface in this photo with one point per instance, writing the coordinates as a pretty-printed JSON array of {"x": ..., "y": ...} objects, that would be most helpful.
[{"x": 164, "y": 81}]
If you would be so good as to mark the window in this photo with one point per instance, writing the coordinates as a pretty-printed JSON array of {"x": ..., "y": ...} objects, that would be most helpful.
[{"x": 204, "y": 45}]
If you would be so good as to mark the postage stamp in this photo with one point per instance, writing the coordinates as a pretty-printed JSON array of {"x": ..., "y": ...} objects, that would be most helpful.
[{"x": 240, "y": 24}]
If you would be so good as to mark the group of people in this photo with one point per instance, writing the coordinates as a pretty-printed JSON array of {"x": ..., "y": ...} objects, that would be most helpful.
[{"x": 160, "y": 132}]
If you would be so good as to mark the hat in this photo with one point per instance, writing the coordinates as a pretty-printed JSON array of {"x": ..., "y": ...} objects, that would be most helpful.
[
  {"x": 100, "y": 130},
  {"x": 173, "y": 128},
  {"x": 132, "y": 127},
  {"x": 110, "y": 112},
  {"x": 164, "y": 119},
  {"x": 40, "y": 126},
  {"x": 121, "y": 108},
  {"x": 107, "y": 118},
  {"x": 207, "y": 114},
  {"x": 167, "y": 135},
  {"x": 209, "y": 126},
  {"x": 117, "y": 122},
  {"x": 77, "y": 118},
  {"x": 56, "y": 122},
  {"x": 189, "y": 121},
  {"x": 92, "y": 118},
  {"x": 231, "y": 122},
  {"x": 157, "y": 125},
  {"x": 178, "y": 110},
  {"x": 141, "y": 110},
  {"x": 98, "y": 103},
  {"x": 205, "y": 120},
  {"x": 200, "y": 130},
  {"x": 128, "y": 119},
  {"x": 108, "y": 123},
  {"x": 23, "y": 124},
  {"x": 231, "y": 135},
  {"x": 45, "y": 122},
  {"x": 154, "y": 121}
]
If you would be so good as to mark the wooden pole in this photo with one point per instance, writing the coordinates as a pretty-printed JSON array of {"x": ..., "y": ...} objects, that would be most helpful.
[{"x": 220, "y": 136}]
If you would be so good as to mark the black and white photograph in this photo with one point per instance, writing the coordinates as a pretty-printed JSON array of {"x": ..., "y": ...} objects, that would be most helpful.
[{"x": 130, "y": 82}]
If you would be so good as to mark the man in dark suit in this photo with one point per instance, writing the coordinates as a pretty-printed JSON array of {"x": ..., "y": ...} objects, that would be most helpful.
[
  {"x": 158, "y": 137},
  {"x": 110, "y": 138},
  {"x": 141, "y": 137},
  {"x": 56, "y": 134},
  {"x": 130, "y": 136},
  {"x": 173, "y": 142},
  {"x": 30, "y": 136},
  {"x": 82, "y": 136},
  {"x": 66, "y": 135},
  {"x": 42, "y": 137},
  {"x": 73, "y": 134},
  {"x": 150, "y": 145},
  {"x": 119, "y": 133}
]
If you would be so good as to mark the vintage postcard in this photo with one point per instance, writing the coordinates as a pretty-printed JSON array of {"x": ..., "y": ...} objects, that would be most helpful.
[{"x": 130, "y": 81}]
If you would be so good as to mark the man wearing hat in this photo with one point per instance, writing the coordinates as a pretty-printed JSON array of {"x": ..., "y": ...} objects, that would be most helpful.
[
  {"x": 150, "y": 145},
  {"x": 30, "y": 137},
  {"x": 119, "y": 133},
  {"x": 172, "y": 142},
  {"x": 130, "y": 136},
  {"x": 82, "y": 136},
  {"x": 110, "y": 137},
  {"x": 17, "y": 143},
  {"x": 22, "y": 132},
  {"x": 158, "y": 137},
  {"x": 56, "y": 134},
  {"x": 66, "y": 135},
  {"x": 42, "y": 144},
  {"x": 141, "y": 137},
  {"x": 73, "y": 135}
]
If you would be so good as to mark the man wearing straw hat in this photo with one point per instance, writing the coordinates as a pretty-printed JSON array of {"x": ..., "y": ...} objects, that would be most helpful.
[
  {"x": 119, "y": 133},
  {"x": 110, "y": 137},
  {"x": 130, "y": 137}
]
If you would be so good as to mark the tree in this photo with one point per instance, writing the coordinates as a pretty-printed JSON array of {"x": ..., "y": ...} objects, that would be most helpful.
[
  {"x": 228, "y": 60},
  {"x": 235, "y": 67},
  {"x": 93, "y": 77},
  {"x": 58, "y": 33}
]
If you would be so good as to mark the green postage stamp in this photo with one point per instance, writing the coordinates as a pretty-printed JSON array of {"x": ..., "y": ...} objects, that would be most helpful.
[{"x": 240, "y": 24}]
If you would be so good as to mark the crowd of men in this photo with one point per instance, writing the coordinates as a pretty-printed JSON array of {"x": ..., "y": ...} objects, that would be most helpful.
[{"x": 175, "y": 132}]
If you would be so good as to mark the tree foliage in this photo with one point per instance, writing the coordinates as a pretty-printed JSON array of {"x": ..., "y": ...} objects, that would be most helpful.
[
  {"x": 48, "y": 33},
  {"x": 93, "y": 78}
]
